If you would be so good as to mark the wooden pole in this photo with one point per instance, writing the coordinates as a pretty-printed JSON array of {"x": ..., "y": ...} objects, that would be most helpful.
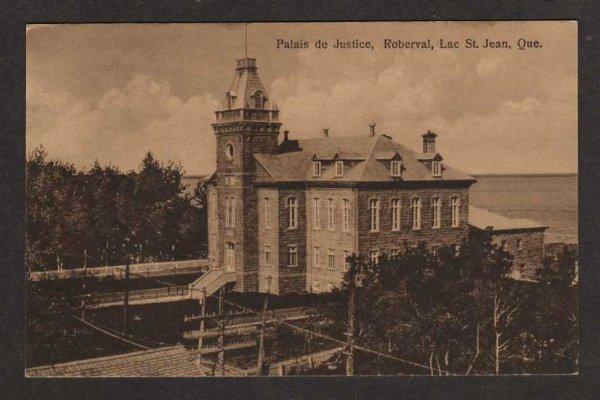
[
  {"x": 126, "y": 298},
  {"x": 261, "y": 340},
  {"x": 351, "y": 305},
  {"x": 203, "y": 313},
  {"x": 221, "y": 341}
]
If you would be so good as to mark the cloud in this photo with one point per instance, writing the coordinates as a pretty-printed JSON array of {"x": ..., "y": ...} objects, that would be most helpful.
[{"x": 144, "y": 115}]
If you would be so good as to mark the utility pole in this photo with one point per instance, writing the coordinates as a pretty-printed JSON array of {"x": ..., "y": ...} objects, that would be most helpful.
[
  {"x": 350, "y": 333},
  {"x": 203, "y": 313},
  {"x": 126, "y": 294},
  {"x": 221, "y": 341},
  {"x": 261, "y": 340}
]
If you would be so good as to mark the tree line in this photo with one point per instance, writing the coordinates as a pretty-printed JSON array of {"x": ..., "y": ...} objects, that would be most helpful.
[
  {"x": 103, "y": 216},
  {"x": 457, "y": 313}
]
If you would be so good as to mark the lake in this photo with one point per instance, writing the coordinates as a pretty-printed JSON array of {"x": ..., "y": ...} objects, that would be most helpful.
[{"x": 550, "y": 199}]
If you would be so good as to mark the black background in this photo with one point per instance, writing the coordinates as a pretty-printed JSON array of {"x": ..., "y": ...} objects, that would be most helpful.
[{"x": 15, "y": 16}]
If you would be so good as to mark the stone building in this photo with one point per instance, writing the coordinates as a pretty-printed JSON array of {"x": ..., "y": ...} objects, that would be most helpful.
[{"x": 284, "y": 214}]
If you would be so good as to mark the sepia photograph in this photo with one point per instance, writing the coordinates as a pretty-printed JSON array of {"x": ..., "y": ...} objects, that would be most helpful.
[{"x": 302, "y": 199}]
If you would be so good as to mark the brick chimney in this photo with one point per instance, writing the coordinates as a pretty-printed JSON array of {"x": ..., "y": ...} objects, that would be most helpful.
[
  {"x": 372, "y": 129},
  {"x": 429, "y": 142}
]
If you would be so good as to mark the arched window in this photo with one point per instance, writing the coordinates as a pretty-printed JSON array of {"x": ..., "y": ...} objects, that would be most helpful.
[{"x": 258, "y": 100}]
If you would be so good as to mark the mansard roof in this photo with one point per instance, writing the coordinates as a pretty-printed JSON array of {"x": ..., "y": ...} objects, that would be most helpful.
[
  {"x": 245, "y": 85},
  {"x": 364, "y": 166}
]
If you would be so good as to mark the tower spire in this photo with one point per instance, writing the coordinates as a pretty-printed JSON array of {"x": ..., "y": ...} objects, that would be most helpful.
[{"x": 246, "y": 42}]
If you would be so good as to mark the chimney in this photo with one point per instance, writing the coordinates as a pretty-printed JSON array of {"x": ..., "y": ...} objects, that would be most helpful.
[
  {"x": 286, "y": 135},
  {"x": 326, "y": 132},
  {"x": 372, "y": 129},
  {"x": 429, "y": 142}
]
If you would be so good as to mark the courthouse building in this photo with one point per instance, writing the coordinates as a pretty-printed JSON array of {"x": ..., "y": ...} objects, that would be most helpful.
[{"x": 284, "y": 213}]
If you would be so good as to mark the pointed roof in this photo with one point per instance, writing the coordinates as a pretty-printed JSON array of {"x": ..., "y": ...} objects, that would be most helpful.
[
  {"x": 364, "y": 165},
  {"x": 245, "y": 84}
]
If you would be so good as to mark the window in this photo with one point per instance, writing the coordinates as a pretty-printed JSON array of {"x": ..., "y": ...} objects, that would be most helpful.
[
  {"x": 317, "y": 168},
  {"x": 331, "y": 258},
  {"x": 267, "y": 255},
  {"x": 267, "y": 209},
  {"x": 258, "y": 100},
  {"x": 339, "y": 168},
  {"x": 519, "y": 244},
  {"x": 230, "y": 257},
  {"x": 345, "y": 215},
  {"x": 396, "y": 168},
  {"x": 316, "y": 216},
  {"x": 346, "y": 260},
  {"x": 395, "y": 214},
  {"x": 229, "y": 212},
  {"x": 394, "y": 253},
  {"x": 229, "y": 100},
  {"x": 292, "y": 256},
  {"x": 374, "y": 257},
  {"x": 330, "y": 215},
  {"x": 374, "y": 209},
  {"x": 229, "y": 151},
  {"x": 436, "y": 206},
  {"x": 415, "y": 205},
  {"x": 292, "y": 213},
  {"x": 317, "y": 257},
  {"x": 436, "y": 168},
  {"x": 455, "y": 211}
]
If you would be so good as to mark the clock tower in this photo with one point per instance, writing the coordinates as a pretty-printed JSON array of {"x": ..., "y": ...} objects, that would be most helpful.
[{"x": 246, "y": 124}]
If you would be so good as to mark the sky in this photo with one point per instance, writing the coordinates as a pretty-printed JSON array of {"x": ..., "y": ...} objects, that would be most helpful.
[{"x": 112, "y": 92}]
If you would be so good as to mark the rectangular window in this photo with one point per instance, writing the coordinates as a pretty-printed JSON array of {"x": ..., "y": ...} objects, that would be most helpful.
[
  {"x": 415, "y": 205},
  {"x": 345, "y": 215},
  {"x": 374, "y": 211},
  {"x": 316, "y": 216},
  {"x": 292, "y": 213},
  {"x": 339, "y": 168},
  {"x": 396, "y": 214},
  {"x": 346, "y": 260},
  {"x": 436, "y": 168},
  {"x": 396, "y": 168},
  {"x": 455, "y": 211},
  {"x": 317, "y": 168},
  {"x": 230, "y": 258},
  {"x": 519, "y": 244},
  {"x": 330, "y": 215},
  {"x": 292, "y": 256},
  {"x": 436, "y": 207},
  {"x": 374, "y": 257},
  {"x": 317, "y": 257},
  {"x": 267, "y": 209},
  {"x": 331, "y": 258},
  {"x": 230, "y": 212}
]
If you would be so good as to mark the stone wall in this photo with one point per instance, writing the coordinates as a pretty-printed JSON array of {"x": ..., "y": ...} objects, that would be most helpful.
[
  {"x": 292, "y": 279},
  {"x": 268, "y": 236},
  {"x": 320, "y": 277},
  {"x": 386, "y": 240}
]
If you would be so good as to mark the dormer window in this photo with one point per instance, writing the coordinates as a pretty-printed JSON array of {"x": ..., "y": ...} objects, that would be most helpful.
[
  {"x": 436, "y": 168},
  {"x": 316, "y": 168},
  {"x": 339, "y": 168},
  {"x": 258, "y": 100},
  {"x": 396, "y": 168}
]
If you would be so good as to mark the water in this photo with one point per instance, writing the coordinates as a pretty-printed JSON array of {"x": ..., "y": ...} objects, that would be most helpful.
[{"x": 549, "y": 199}]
